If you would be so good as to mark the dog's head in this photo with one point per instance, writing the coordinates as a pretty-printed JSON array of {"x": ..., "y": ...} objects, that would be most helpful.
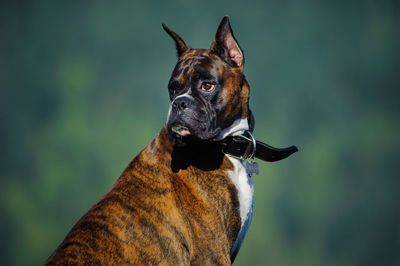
[{"x": 208, "y": 91}]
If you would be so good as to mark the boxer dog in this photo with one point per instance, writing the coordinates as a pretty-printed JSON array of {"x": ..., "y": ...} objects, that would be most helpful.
[{"x": 187, "y": 198}]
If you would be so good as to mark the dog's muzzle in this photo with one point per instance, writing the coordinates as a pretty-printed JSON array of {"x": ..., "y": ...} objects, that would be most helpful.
[
  {"x": 177, "y": 121},
  {"x": 188, "y": 117}
]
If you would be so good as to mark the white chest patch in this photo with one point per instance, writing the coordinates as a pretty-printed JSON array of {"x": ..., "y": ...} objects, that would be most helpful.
[
  {"x": 244, "y": 186},
  {"x": 237, "y": 128}
]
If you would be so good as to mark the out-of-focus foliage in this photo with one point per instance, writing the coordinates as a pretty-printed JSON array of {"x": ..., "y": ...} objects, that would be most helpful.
[{"x": 83, "y": 90}]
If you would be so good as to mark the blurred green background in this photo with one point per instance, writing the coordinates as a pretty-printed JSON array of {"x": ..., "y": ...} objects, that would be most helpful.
[{"x": 84, "y": 89}]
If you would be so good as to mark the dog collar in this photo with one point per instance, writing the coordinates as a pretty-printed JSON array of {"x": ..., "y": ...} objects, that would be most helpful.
[{"x": 245, "y": 146}]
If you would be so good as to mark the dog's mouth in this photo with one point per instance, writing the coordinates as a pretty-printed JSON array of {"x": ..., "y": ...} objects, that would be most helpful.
[
  {"x": 181, "y": 130},
  {"x": 182, "y": 133}
]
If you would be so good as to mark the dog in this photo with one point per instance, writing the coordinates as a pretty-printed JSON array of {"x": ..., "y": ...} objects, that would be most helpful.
[{"x": 186, "y": 198}]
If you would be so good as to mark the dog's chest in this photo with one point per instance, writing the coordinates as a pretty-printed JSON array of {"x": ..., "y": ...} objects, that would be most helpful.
[{"x": 244, "y": 186}]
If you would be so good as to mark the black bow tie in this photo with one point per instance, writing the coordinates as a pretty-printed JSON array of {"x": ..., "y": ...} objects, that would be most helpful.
[{"x": 246, "y": 147}]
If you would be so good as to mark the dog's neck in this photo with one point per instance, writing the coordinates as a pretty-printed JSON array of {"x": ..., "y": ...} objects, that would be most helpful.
[{"x": 205, "y": 155}]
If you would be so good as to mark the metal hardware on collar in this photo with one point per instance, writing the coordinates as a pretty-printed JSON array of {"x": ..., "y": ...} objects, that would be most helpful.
[
  {"x": 253, "y": 141},
  {"x": 249, "y": 151}
]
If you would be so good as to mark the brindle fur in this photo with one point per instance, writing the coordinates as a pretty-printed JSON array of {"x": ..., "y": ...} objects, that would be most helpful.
[
  {"x": 172, "y": 205},
  {"x": 168, "y": 219}
]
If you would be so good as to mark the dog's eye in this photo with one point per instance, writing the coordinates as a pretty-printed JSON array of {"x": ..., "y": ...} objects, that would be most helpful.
[
  {"x": 207, "y": 86},
  {"x": 171, "y": 91}
]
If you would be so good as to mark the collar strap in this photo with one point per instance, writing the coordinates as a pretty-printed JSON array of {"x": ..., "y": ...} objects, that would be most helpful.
[{"x": 246, "y": 147}]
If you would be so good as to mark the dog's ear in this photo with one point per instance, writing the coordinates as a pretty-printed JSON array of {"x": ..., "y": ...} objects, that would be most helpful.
[
  {"x": 181, "y": 46},
  {"x": 226, "y": 46}
]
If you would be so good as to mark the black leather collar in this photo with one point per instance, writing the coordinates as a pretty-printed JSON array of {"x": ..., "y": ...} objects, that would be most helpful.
[
  {"x": 242, "y": 147},
  {"x": 246, "y": 147}
]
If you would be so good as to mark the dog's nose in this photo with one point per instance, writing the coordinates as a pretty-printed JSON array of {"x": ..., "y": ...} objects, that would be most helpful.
[{"x": 181, "y": 103}]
